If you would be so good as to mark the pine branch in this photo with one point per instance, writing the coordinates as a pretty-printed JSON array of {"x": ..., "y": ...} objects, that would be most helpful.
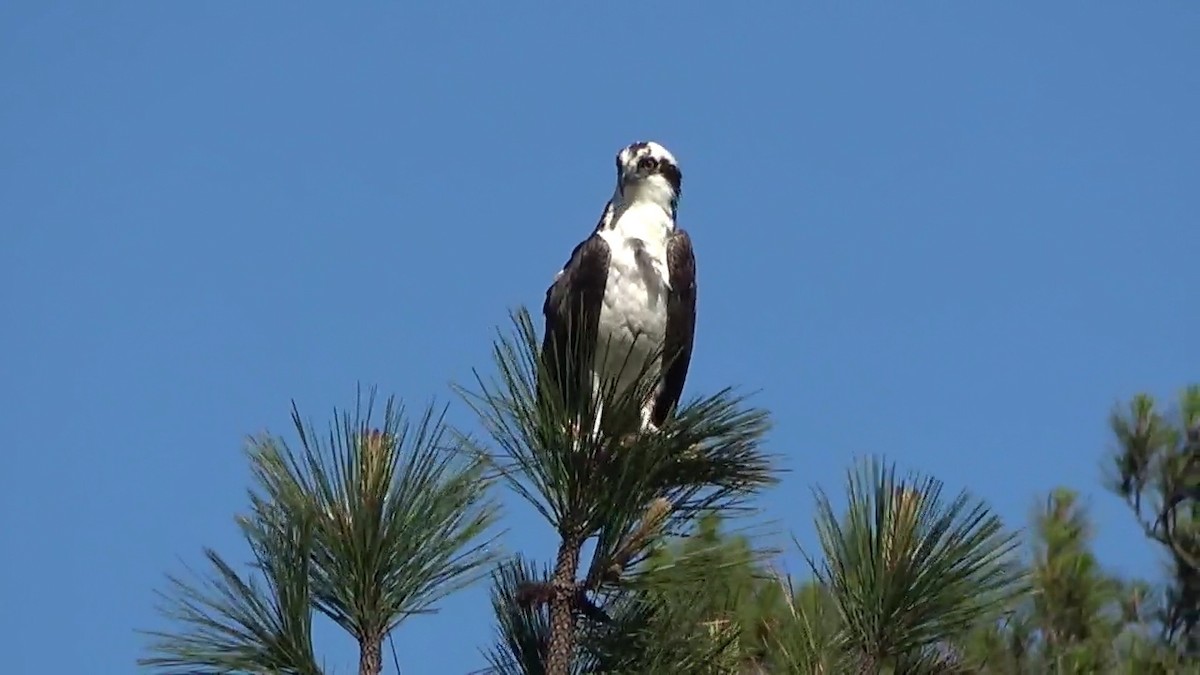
[
  {"x": 621, "y": 488},
  {"x": 563, "y": 600},
  {"x": 907, "y": 570},
  {"x": 522, "y": 620},
  {"x": 231, "y": 624},
  {"x": 368, "y": 525},
  {"x": 401, "y": 521}
]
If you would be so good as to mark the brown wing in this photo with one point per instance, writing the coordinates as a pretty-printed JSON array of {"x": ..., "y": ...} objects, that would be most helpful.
[
  {"x": 681, "y": 324},
  {"x": 572, "y": 315}
]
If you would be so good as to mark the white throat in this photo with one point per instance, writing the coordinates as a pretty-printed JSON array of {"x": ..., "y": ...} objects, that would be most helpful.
[
  {"x": 636, "y": 229},
  {"x": 651, "y": 190}
]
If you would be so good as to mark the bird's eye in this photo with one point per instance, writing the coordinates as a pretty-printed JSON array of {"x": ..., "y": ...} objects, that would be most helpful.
[{"x": 647, "y": 163}]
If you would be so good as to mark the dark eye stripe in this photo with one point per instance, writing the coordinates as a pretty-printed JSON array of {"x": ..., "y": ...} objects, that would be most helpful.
[{"x": 672, "y": 174}]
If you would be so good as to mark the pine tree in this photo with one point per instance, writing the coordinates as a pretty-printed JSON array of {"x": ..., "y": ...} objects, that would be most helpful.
[
  {"x": 1156, "y": 471},
  {"x": 372, "y": 522},
  {"x": 368, "y": 525},
  {"x": 1070, "y": 620}
]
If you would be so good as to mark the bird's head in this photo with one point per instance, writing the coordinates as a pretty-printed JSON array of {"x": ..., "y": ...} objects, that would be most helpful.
[{"x": 648, "y": 171}]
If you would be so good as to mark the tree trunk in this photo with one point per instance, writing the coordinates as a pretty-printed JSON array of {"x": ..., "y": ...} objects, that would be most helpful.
[
  {"x": 370, "y": 656},
  {"x": 562, "y": 616}
]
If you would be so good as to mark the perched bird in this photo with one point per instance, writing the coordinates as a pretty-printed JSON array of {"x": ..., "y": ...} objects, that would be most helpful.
[{"x": 632, "y": 284}]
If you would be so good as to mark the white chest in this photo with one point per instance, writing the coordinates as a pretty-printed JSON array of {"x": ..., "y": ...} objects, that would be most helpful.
[{"x": 635, "y": 296}]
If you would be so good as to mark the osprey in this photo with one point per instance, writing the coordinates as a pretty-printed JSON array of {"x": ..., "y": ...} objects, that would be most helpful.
[{"x": 631, "y": 286}]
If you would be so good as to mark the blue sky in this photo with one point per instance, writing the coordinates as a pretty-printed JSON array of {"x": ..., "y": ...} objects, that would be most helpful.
[{"x": 953, "y": 233}]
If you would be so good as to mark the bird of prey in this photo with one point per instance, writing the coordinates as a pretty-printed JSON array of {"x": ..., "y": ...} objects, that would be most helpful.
[{"x": 631, "y": 286}]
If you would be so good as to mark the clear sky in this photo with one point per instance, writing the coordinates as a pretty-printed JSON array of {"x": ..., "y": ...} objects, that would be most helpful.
[{"x": 954, "y": 233}]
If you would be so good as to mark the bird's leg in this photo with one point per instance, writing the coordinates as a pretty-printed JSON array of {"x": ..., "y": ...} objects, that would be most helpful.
[
  {"x": 646, "y": 426},
  {"x": 570, "y": 428},
  {"x": 576, "y": 432},
  {"x": 576, "y": 426},
  {"x": 599, "y": 418},
  {"x": 573, "y": 427}
]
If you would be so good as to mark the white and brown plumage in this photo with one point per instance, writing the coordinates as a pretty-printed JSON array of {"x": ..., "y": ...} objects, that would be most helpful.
[{"x": 633, "y": 284}]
